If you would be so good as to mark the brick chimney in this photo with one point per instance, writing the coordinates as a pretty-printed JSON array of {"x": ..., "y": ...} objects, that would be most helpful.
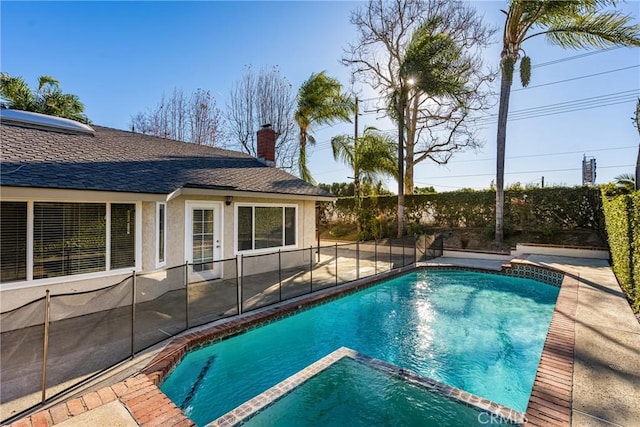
[{"x": 266, "y": 145}]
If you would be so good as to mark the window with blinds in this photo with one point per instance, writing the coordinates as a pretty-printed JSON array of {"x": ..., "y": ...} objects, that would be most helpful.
[
  {"x": 68, "y": 239},
  {"x": 123, "y": 235},
  {"x": 13, "y": 241}
]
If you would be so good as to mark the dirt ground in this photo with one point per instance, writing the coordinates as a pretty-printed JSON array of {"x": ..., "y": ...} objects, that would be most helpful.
[{"x": 478, "y": 239}]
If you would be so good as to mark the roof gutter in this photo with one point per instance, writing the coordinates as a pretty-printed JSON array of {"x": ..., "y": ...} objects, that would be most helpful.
[{"x": 184, "y": 191}]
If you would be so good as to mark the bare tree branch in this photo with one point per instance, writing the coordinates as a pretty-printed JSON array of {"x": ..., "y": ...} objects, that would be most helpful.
[
  {"x": 435, "y": 126},
  {"x": 265, "y": 98},
  {"x": 194, "y": 119}
]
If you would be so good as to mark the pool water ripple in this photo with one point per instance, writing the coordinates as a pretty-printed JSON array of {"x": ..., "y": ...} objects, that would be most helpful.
[{"x": 479, "y": 332}]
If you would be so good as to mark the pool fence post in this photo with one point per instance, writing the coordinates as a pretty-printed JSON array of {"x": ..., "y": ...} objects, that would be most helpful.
[
  {"x": 403, "y": 261},
  {"x": 238, "y": 283},
  {"x": 336, "y": 259},
  {"x": 133, "y": 314},
  {"x": 415, "y": 250},
  {"x": 425, "y": 247},
  {"x": 45, "y": 344},
  {"x": 375, "y": 256},
  {"x": 357, "y": 259},
  {"x": 310, "y": 268},
  {"x": 390, "y": 254},
  {"x": 280, "y": 273},
  {"x": 186, "y": 291},
  {"x": 240, "y": 308}
]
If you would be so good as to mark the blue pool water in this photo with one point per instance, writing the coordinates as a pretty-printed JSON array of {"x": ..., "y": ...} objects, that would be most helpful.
[
  {"x": 352, "y": 394},
  {"x": 479, "y": 332}
]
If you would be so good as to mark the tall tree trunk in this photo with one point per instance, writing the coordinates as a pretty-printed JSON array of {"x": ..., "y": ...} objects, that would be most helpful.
[
  {"x": 408, "y": 175},
  {"x": 411, "y": 121},
  {"x": 505, "y": 92},
  {"x": 409, "y": 164},
  {"x": 638, "y": 170},
  {"x": 302, "y": 159}
]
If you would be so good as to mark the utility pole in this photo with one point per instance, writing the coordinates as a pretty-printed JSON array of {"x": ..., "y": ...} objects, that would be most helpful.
[
  {"x": 356, "y": 171},
  {"x": 355, "y": 121},
  {"x": 542, "y": 182}
]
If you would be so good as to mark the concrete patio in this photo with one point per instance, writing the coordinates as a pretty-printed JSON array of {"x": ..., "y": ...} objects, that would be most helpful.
[{"x": 606, "y": 373}]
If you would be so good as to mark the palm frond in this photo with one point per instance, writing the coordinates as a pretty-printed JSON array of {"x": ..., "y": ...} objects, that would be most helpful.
[
  {"x": 342, "y": 147},
  {"x": 593, "y": 30},
  {"x": 16, "y": 92},
  {"x": 47, "y": 81},
  {"x": 51, "y": 101},
  {"x": 626, "y": 182},
  {"x": 434, "y": 60},
  {"x": 320, "y": 101}
]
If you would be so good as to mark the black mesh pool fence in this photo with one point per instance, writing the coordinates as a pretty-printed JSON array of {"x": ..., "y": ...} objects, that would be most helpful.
[
  {"x": 88, "y": 332},
  {"x": 91, "y": 331},
  {"x": 160, "y": 306},
  {"x": 21, "y": 354},
  {"x": 213, "y": 299}
]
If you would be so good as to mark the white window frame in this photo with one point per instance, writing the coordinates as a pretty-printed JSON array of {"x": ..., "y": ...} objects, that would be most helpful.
[
  {"x": 108, "y": 272},
  {"x": 253, "y": 222},
  {"x": 160, "y": 264}
]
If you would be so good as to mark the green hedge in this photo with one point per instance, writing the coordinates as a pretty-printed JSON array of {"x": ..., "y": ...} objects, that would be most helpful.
[
  {"x": 622, "y": 215},
  {"x": 544, "y": 209}
]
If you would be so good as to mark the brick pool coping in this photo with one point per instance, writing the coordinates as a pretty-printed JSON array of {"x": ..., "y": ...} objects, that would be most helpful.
[{"x": 550, "y": 402}]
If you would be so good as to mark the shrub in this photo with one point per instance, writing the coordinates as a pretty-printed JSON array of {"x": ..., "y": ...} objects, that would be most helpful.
[{"x": 622, "y": 214}]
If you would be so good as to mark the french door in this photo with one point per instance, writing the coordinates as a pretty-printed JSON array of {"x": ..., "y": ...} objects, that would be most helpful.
[{"x": 203, "y": 239}]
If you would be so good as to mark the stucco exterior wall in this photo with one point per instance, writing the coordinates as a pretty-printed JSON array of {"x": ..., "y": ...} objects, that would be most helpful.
[{"x": 155, "y": 281}]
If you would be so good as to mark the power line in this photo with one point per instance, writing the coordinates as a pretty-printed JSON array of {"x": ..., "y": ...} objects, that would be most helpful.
[
  {"x": 612, "y": 95},
  {"x": 560, "y": 107},
  {"x": 553, "y": 113},
  {"x": 524, "y": 156},
  {"x": 571, "y": 58},
  {"x": 576, "y": 78},
  {"x": 598, "y": 101},
  {"x": 546, "y": 64},
  {"x": 521, "y": 172},
  {"x": 535, "y": 112},
  {"x": 565, "y": 107}
]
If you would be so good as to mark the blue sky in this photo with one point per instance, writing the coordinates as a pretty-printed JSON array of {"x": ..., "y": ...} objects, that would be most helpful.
[{"x": 120, "y": 57}]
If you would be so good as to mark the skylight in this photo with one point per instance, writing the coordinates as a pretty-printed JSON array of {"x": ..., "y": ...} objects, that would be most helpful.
[{"x": 43, "y": 122}]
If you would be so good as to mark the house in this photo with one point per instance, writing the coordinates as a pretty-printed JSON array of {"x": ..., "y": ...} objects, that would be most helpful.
[{"x": 81, "y": 207}]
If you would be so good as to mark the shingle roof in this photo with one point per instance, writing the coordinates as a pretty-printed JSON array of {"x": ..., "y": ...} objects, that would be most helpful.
[{"x": 116, "y": 160}]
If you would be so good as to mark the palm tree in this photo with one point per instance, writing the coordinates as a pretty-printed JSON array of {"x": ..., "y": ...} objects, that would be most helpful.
[
  {"x": 369, "y": 156},
  {"x": 626, "y": 182},
  {"x": 372, "y": 155},
  {"x": 575, "y": 24},
  {"x": 47, "y": 99},
  {"x": 433, "y": 65},
  {"x": 320, "y": 102}
]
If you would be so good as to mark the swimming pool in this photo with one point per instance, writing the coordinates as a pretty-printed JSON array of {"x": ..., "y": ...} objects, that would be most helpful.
[{"x": 479, "y": 332}]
